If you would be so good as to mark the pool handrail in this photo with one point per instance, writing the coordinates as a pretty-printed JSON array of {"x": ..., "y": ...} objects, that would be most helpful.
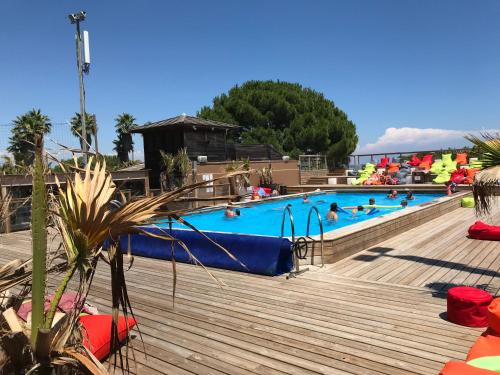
[
  {"x": 320, "y": 222},
  {"x": 292, "y": 225}
]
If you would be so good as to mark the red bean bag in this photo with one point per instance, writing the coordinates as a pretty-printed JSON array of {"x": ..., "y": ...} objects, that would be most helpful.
[
  {"x": 483, "y": 231},
  {"x": 458, "y": 176},
  {"x": 468, "y": 306},
  {"x": 97, "y": 333},
  {"x": 383, "y": 162},
  {"x": 415, "y": 161}
]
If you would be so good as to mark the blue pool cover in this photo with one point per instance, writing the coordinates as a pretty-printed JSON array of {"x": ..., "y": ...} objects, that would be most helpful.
[{"x": 260, "y": 254}]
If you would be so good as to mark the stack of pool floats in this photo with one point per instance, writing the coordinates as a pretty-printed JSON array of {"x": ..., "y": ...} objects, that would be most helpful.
[{"x": 459, "y": 171}]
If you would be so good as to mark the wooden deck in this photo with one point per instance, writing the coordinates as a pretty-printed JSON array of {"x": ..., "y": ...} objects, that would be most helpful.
[{"x": 368, "y": 314}]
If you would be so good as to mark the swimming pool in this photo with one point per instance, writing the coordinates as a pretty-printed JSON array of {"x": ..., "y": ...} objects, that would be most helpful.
[{"x": 265, "y": 218}]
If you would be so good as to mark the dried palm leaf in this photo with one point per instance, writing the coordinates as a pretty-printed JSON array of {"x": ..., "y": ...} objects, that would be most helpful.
[
  {"x": 85, "y": 222},
  {"x": 486, "y": 182}
]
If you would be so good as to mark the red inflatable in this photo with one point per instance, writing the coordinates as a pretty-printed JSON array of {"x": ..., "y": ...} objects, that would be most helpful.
[
  {"x": 483, "y": 231},
  {"x": 415, "y": 161},
  {"x": 458, "y": 176},
  {"x": 468, "y": 306},
  {"x": 383, "y": 162}
]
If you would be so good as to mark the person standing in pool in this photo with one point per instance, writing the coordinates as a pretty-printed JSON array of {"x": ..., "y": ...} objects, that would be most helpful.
[
  {"x": 305, "y": 199},
  {"x": 371, "y": 201},
  {"x": 409, "y": 195},
  {"x": 404, "y": 203},
  {"x": 229, "y": 212},
  {"x": 332, "y": 214},
  {"x": 392, "y": 194}
]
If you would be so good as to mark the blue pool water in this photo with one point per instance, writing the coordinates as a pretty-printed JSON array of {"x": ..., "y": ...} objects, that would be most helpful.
[{"x": 265, "y": 218}]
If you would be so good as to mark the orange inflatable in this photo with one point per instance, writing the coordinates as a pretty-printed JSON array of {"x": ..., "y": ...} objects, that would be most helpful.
[
  {"x": 488, "y": 344},
  {"x": 469, "y": 175},
  {"x": 461, "y": 159},
  {"x": 393, "y": 168},
  {"x": 462, "y": 368}
]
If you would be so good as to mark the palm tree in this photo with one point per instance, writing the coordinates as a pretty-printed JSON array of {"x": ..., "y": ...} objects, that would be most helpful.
[
  {"x": 26, "y": 128},
  {"x": 488, "y": 180},
  {"x": 90, "y": 126},
  {"x": 124, "y": 143}
]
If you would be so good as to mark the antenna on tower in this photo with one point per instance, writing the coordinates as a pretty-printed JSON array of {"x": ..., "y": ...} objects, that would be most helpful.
[{"x": 86, "y": 52}]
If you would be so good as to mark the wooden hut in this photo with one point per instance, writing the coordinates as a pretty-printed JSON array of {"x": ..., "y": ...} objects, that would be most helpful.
[{"x": 199, "y": 136}]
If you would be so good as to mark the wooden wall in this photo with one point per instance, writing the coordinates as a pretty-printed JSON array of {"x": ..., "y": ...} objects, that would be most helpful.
[
  {"x": 154, "y": 141},
  {"x": 207, "y": 142}
]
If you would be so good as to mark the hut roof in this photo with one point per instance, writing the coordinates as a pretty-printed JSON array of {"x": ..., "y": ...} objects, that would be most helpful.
[{"x": 184, "y": 120}]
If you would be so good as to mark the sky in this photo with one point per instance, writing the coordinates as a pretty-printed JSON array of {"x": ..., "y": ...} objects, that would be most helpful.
[{"x": 409, "y": 74}]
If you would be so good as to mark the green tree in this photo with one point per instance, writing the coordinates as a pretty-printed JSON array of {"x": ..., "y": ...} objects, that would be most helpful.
[
  {"x": 90, "y": 126},
  {"x": 292, "y": 118},
  {"x": 26, "y": 128},
  {"x": 124, "y": 143}
]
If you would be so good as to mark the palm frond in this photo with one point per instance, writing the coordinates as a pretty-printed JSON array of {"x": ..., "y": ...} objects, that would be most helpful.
[{"x": 487, "y": 181}]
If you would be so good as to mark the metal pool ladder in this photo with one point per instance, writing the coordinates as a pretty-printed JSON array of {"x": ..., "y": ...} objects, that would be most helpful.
[
  {"x": 313, "y": 241},
  {"x": 300, "y": 246}
]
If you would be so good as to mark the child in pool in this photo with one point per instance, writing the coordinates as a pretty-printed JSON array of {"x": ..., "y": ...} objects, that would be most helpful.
[
  {"x": 371, "y": 201},
  {"x": 404, "y": 203},
  {"x": 409, "y": 195},
  {"x": 332, "y": 214},
  {"x": 229, "y": 212},
  {"x": 305, "y": 199}
]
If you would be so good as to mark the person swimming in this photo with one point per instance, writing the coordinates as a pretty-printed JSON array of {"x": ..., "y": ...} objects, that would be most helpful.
[
  {"x": 357, "y": 209},
  {"x": 392, "y": 194},
  {"x": 332, "y": 214},
  {"x": 404, "y": 203},
  {"x": 409, "y": 195},
  {"x": 305, "y": 199}
]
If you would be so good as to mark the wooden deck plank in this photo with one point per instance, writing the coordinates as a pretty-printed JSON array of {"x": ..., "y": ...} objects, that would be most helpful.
[{"x": 368, "y": 314}]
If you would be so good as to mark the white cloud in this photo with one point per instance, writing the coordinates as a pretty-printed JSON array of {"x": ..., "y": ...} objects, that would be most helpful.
[{"x": 415, "y": 139}]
